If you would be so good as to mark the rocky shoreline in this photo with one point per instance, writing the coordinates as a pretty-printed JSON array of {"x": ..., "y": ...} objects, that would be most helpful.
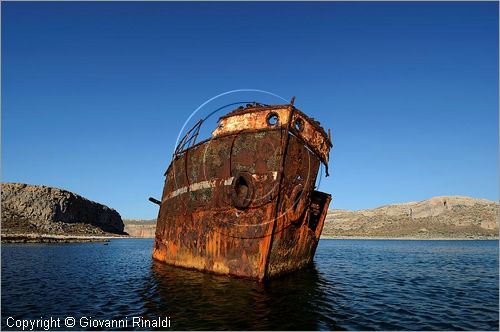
[
  {"x": 479, "y": 238},
  {"x": 48, "y": 238}
]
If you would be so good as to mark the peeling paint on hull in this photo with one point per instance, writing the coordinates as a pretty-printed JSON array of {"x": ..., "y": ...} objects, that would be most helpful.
[{"x": 243, "y": 202}]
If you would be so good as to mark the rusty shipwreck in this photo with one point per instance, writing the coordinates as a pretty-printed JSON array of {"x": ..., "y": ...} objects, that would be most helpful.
[{"x": 243, "y": 201}]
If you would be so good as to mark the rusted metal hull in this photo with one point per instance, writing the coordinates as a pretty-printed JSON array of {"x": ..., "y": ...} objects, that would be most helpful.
[{"x": 243, "y": 202}]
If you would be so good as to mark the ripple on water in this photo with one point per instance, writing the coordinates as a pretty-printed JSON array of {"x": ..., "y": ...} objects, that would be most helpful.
[{"x": 360, "y": 285}]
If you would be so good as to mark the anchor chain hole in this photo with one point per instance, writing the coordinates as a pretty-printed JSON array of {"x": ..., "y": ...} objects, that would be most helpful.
[{"x": 243, "y": 190}]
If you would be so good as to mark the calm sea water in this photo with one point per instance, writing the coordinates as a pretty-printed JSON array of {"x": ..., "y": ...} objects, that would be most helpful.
[{"x": 354, "y": 285}]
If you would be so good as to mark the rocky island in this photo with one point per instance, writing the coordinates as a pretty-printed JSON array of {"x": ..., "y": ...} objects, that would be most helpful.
[{"x": 33, "y": 213}]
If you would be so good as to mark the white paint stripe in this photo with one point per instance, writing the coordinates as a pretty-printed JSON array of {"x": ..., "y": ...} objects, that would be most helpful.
[
  {"x": 202, "y": 185},
  {"x": 213, "y": 184},
  {"x": 178, "y": 192}
]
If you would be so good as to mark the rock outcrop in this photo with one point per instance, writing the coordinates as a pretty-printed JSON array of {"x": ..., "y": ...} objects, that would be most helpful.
[
  {"x": 46, "y": 210},
  {"x": 437, "y": 217}
]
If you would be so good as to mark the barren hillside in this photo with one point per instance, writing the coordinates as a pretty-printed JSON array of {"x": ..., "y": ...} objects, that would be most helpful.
[{"x": 437, "y": 217}]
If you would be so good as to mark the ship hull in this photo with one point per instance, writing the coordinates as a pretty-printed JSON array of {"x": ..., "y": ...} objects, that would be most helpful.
[{"x": 242, "y": 203}]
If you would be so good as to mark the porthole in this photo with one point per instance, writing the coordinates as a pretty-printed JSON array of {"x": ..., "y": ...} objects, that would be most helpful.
[
  {"x": 272, "y": 119},
  {"x": 298, "y": 124}
]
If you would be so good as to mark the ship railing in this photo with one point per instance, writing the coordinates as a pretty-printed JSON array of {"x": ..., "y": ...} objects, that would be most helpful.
[{"x": 189, "y": 139}]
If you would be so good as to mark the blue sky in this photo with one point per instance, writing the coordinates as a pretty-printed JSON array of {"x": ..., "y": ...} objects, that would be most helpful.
[{"x": 94, "y": 94}]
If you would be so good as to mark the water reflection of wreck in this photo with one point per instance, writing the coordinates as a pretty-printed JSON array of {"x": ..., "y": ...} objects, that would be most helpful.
[
  {"x": 303, "y": 301},
  {"x": 243, "y": 201}
]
